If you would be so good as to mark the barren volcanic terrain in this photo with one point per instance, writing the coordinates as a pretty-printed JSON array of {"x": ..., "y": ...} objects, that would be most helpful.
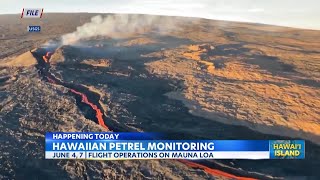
[{"x": 186, "y": 77}]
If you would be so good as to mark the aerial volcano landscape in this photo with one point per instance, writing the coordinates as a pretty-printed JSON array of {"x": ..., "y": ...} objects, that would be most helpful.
[{"x": 189, "y": 78}]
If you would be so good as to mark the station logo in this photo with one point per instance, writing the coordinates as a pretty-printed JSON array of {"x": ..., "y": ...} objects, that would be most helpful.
[
  {"x": 32, "y": 13},
  {"x": 287, "y": 149},
  {"x": 34, "y": 28}
]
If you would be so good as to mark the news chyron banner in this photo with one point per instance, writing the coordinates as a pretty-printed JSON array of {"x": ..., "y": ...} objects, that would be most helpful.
[{"x": 127, "y": 146}]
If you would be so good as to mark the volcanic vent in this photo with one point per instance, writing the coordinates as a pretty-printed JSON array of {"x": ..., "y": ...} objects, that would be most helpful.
[{"x": 83, "y": 95}]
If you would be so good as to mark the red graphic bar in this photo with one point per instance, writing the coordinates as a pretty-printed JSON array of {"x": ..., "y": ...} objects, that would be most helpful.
[
  {"x": 41, "y": 13},
  {"x": 22, "y": 12}
]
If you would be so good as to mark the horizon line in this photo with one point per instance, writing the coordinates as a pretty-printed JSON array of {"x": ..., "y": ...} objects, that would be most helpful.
[{"x": 198, "y": 17}]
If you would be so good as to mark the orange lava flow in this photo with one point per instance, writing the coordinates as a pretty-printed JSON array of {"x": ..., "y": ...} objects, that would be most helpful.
[
  {"x": 99, "y": 114},
  {"x": 84, "y": 98},
  {"x": 47, "y": 57},
  {"x": 214, "y": 172}
]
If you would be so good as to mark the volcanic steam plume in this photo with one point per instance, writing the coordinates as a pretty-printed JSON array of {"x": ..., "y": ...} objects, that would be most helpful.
[{"x": 118, "y": 24}]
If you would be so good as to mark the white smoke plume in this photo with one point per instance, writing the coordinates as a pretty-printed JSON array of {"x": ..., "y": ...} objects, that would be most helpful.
[{"x": 122, "y": 23}]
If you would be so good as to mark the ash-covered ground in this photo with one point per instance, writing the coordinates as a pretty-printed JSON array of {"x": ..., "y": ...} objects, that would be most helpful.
[{"x": 204, "y": 80}]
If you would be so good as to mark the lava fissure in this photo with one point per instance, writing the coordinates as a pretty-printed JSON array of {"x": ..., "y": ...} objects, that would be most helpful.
[
  {"x": 44, "y": 71},
  {"x": 99, "y": 114}
]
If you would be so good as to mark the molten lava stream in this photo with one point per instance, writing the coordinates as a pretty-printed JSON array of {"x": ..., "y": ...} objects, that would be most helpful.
[
  {"x": 99, "y": 116},
  {"x": 84, "y": 98},
  {"x": 47, "y": 57}
]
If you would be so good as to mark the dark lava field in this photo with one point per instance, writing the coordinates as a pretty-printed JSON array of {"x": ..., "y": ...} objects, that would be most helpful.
[{"x": 206, "y": 80}]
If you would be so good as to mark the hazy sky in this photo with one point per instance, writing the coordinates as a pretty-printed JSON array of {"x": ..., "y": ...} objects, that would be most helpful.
[{"x": 293, "y": 13}]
